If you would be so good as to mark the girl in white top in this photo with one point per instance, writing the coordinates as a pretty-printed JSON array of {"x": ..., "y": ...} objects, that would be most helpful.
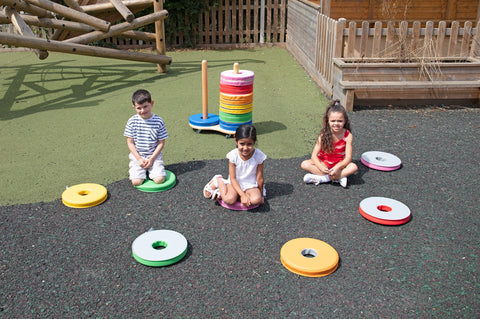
[{"x": 245, "y": 168}]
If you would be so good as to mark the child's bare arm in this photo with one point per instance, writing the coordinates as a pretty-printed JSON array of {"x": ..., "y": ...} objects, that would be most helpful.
[
  {"x": 133, "y": 150},
  {"x": 244, "y": 199},
  {"x": 260, "y": 179},
  {"x": 233, "y": 179},
  {"x": 156, "y": 152},
  {"x": 314, "y": 158}
]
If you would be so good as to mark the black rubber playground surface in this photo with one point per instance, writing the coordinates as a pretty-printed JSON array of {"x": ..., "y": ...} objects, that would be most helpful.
[{"x": 61, "y": 262}]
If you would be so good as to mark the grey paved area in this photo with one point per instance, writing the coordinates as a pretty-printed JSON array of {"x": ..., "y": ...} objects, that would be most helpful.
[{"x": 60, "y": 262}]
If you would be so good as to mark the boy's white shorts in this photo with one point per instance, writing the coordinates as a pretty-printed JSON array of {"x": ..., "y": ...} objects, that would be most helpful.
[{"x": 138, "y": 172}]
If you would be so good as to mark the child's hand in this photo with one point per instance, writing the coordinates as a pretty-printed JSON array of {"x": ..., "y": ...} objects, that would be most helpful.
[
  {"x": 334, "y": 173},
  {"x": 147, "y": 163},
  {"x": 143, "y": 163},
  {"x": 245, "y": 200},
  {"x": 324, "y": 169}
]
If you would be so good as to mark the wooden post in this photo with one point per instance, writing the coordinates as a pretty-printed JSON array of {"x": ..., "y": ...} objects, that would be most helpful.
[
  {"x": 352, "y": 35},
  {"x": 80, "y": 49},
  {"x": 390, "y": 39},
  {"x": 349, "y": 99},
  {"x": 160, "y": 35},
  {"x": 72, "y": 14},
  {"x": 338, "y": 42},
  {"x": 204, "y": 90},
  {"x": 474, "y": 50},
  {"x": 326, "y": 6},
  {"x": 442, "y": 26},
  {"x": 262, "y": 21},
  {"x": 478, "y": 10},
  {"x": 123, "y": 10},
  {"x": 364, "y": 39},
  {"x": 377, "y": 37},
  {"x": 118, "y": 28},
  {"x": 235, "y": 68},
  {"x": 415, "y": 35},
  {"x": 24, "y": 29},
  {"x": 453, "y": 38},
  {"x": 466, "y": 39}
]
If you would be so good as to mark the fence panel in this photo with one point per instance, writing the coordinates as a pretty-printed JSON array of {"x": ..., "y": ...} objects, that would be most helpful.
[
  {"x": 243, "y": 22},
  {"x": 325, "y": 46},
  {"x": 302, "y": 34},
  {"x": 406, "y": 40}
]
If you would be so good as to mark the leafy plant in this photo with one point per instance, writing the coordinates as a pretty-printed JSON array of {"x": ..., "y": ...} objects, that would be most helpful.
[{"x": 183, "y": 17}]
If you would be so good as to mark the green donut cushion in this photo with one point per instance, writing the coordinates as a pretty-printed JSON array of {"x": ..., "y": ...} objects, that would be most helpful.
[{"x": 150, "y": 186}]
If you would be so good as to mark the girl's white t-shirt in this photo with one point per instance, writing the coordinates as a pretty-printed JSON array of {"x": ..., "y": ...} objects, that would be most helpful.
[{"x": 246, "y": 171}]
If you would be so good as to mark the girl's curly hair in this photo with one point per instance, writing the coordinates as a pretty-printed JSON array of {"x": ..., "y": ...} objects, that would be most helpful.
[{"x": 326, "y": 140}]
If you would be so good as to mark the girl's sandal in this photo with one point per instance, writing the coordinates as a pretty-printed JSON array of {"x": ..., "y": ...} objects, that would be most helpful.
[
  {"x": 208, "y": 189},
  {"x": 214, "y": 193}
]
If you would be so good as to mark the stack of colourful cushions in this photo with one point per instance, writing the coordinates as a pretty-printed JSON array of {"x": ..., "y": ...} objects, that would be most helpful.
[{"x": 236, "y": 99}]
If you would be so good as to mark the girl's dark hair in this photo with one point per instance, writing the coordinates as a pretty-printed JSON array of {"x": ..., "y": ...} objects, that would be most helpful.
[
  {"x": 141, "y": 96},
  {"x": 246, "y": 131},
  {"x": 326, "y": 132}
]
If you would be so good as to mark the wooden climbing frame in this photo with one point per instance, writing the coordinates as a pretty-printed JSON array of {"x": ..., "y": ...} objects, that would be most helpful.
[{"x": 78, "y": 25}]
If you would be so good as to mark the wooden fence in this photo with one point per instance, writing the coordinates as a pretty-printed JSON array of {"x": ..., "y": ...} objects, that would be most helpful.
[
  {"x": 242, "y": 22},
  {"x": 232, "y": 23},
  {"x": 315, "y": 46}
]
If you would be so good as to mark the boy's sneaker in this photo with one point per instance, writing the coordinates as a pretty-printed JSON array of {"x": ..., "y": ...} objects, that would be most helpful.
[
  {"x": 343, "y": 182},
  {"x": 312, "y": 179}
]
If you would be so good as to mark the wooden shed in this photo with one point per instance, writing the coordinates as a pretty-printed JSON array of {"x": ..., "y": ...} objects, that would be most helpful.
[
  {"x": 435, "y": 10},
  {"x": 389, "y": 52}
]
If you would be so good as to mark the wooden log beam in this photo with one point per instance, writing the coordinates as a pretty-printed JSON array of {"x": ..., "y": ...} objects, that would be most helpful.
[
  {"x": 59, "y": 34},
  {"x": 23, "y": 29},
  {"x": 123, "y": 10},
  {"x": 138, "y": 35},
  {"x": 72, "y": 14},
  {"x": 74, "y": 5},
  {"x": 74, "y": 26},
  {"x": 107, "y": 6},
  {"x": 20, "y": 5},
  {"x": 118, "y": 28},
  {"x": 80, "y": 49},
  {"x": 50, "y": 23}
]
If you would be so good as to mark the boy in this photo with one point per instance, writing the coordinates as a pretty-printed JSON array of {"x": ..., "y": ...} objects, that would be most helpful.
[{"x": 146, "y": 134}]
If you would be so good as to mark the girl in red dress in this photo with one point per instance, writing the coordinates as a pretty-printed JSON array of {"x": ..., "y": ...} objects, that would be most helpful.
[{"x": 331, "y": 158}]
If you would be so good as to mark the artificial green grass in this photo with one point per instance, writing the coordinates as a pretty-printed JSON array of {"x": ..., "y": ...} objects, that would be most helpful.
[{"x": 62, "y": 119}]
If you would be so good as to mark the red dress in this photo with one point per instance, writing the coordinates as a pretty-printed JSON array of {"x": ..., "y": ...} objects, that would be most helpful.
[{"x": 338, "y": 154}]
